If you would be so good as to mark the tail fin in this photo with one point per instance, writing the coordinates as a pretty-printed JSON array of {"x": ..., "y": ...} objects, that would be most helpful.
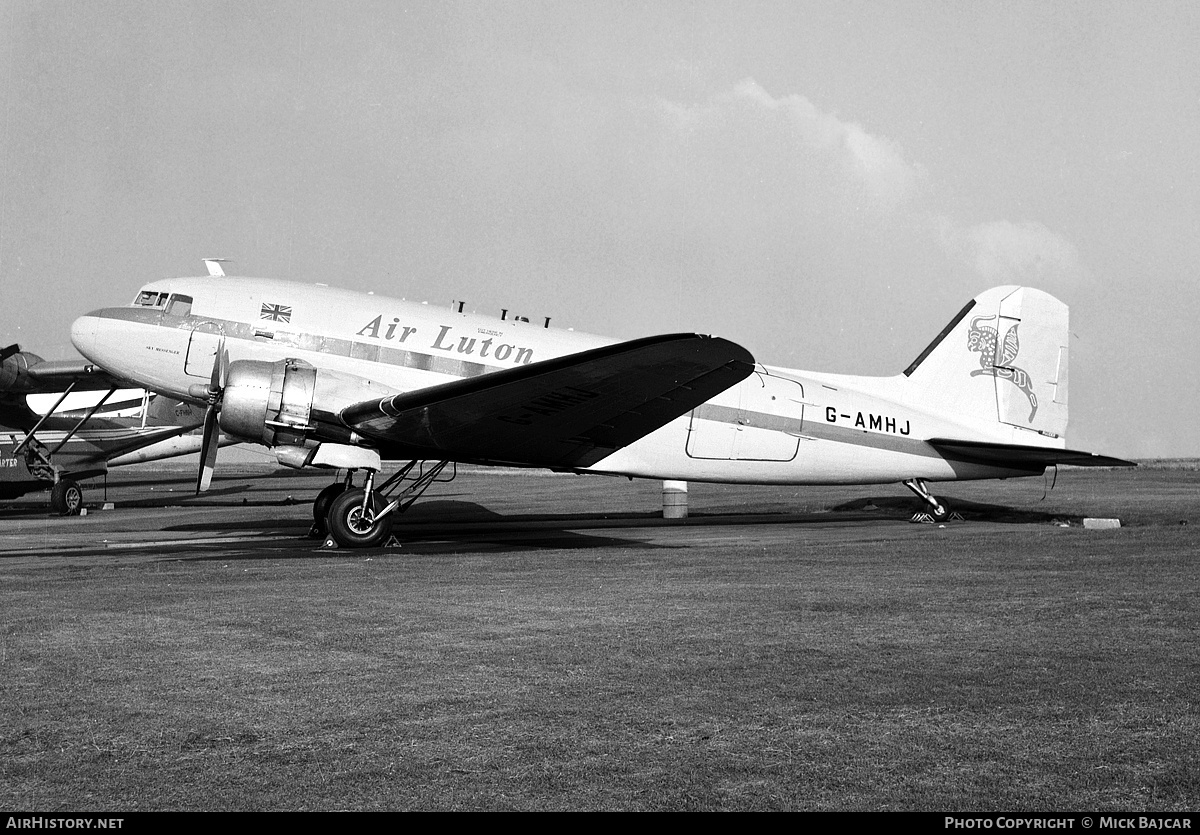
[
  {"x": 166, "y": 411},
  {"x": 1003, "y": 359}
]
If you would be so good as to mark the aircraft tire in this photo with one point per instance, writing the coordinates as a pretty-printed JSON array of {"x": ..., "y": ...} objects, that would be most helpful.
[
  {"x": 323, "y": 503},
  {"x": 66, "y": 499},
  {"x": 348, "y": 527}
]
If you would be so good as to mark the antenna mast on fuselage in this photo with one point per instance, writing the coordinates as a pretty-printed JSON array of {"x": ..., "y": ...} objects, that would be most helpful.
[{"x": 214, "y": 265}]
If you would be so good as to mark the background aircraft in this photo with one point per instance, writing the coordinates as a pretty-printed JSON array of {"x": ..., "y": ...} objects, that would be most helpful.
[
  {"x": 339, "y": 379},
  {"x": 56, "y": 450}
]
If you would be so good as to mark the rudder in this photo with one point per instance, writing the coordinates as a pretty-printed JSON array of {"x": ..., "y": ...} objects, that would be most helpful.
[{"x": 1002, "y": 358}]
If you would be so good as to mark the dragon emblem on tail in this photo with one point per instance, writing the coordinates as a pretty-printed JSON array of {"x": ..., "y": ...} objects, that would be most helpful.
[{"x": 982, "y": 339}]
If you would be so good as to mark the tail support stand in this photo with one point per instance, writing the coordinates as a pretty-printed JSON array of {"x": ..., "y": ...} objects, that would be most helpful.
[{"x": 675, "y": 499}]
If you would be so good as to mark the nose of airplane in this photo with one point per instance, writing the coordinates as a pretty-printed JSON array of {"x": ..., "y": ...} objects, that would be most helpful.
[{"x": 83, "y": 334}]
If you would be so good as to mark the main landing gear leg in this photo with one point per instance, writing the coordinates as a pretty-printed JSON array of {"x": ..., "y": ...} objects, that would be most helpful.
[
  {"x": 362, "y": 518},
  {"x": 938, "y": 511},
  {"x": 359, "y": 518}
]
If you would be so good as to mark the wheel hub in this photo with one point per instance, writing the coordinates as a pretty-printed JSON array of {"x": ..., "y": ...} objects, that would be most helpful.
[{"x": 359, "y": 522}]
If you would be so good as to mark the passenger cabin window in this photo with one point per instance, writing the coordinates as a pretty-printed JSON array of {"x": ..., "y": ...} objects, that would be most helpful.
[{"x": 179, "y": 305}]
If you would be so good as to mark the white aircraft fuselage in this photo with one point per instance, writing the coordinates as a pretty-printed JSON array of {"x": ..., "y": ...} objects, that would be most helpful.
[{"x": 777, "y": 426}]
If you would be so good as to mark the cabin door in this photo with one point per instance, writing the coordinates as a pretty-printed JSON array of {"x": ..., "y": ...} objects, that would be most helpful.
[
  {"x": 202, "y": 350},
  {"x": 760, "y": 420}
]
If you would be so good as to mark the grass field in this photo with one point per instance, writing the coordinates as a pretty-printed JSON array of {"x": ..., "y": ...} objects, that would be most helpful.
[{"x": 857, "y": 665}]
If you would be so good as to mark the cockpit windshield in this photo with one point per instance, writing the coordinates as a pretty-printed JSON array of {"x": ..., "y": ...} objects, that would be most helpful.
[
  {"x": 150, "y": 298},
  {"x": 180, "y": 305}
]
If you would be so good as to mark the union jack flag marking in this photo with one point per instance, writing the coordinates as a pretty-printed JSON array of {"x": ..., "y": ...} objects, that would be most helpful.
[{"x": 276, "y": 313}]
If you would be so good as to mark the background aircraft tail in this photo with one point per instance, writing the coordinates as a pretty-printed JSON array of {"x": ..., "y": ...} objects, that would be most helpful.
[
  {"x": 1002, "y": 359},
  {"x": 167, "y": 411}
]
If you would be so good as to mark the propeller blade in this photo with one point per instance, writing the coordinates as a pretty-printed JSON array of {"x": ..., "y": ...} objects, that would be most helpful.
[
  {"x": 5, "y": 353},
  {"x": 223, "y": 359},
  {"x": 216, "y": 380},
  {"x": 209, "y": 442},
  {"x": 208, "y": 451}
]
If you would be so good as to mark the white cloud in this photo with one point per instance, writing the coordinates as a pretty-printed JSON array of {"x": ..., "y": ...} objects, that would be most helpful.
[
  {"x": 1013, "y": 253},
  {"x": 800, "y": 140}
]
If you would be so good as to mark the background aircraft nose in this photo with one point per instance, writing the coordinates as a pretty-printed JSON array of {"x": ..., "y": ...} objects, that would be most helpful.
[{"x": 83, "y": 334}]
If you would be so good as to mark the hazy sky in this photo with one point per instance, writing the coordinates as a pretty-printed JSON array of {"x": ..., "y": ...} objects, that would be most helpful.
[{"x": 825, "y": 182}]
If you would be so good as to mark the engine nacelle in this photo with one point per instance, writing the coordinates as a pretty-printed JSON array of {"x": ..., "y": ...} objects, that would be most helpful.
[
  {"x": 14, "y": 371},
  {"x": 289, "y": 402}
]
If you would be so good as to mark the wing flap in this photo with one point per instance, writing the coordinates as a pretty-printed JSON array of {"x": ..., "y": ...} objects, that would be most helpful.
[
  {"x": 566, "y": 412},
  {"x": 982, "y": 452}
]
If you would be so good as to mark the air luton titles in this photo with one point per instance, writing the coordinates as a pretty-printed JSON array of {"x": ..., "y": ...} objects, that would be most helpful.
[
  {"x": 878, "y": 423},
  {"x": 445, "y": 340}
]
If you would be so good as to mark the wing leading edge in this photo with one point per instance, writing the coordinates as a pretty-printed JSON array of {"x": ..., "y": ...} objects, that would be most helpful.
[
  {"x": 566, "y": 412},
  {"x": 981, "y": 452},
  {"x": 53, "y": 375},
  {"x": 22, "y": 373}
]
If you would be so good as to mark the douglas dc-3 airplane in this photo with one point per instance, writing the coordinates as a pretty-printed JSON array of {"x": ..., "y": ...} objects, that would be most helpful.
[{"x": 339, "y": 379}]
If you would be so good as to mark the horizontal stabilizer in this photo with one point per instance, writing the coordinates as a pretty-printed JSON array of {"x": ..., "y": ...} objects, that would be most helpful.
[
  {"x": 566, "y": 412},
  {"x": 1019, "y": 455}
]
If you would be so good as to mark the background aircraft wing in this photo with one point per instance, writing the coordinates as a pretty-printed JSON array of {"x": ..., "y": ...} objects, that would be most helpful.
[
  {"x": 56, "y": 374},
  {"x": 566, "y": 412},
  {"x": 24, "y": 373},
  {"x": 1019, "y": 455}
]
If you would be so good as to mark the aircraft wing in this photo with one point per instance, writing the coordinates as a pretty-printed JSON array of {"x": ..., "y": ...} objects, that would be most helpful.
[
  {"x": 566, "y": 412},
  {"x": 55, "y": 374},
  {"x": 25, "y": 373},
  {"x": 981, "y": 452}
]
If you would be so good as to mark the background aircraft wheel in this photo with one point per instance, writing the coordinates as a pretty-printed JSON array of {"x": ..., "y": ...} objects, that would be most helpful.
[
  {"x": 322, "y": 505},
  {"x": 351, "y": 528},
  {"x": 66, "y": 499}
]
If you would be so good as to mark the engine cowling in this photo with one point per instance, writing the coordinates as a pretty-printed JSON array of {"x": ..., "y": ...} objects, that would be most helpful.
[
  {"x": 14, "y": 371},
  {"x": 291, "y": 403}
]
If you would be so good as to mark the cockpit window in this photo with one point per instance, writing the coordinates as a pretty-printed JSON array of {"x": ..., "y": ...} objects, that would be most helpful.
[
  {"x": 179, "y": 305},
  {"x": 150, "y": 298}
]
